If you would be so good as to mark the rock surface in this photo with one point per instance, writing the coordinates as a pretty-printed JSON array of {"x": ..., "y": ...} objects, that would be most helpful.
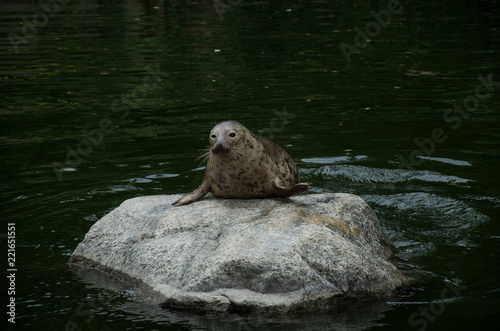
[{"x": 301, "y": 253}]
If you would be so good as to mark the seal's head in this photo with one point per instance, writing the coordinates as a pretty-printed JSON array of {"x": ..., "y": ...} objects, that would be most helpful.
[{"x": 226, "y": 137}]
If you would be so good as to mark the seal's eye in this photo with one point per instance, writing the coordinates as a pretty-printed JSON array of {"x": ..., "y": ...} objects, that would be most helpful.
[
  {"x": 232, "y": 134},
  {"x": 213, "y": 136}
]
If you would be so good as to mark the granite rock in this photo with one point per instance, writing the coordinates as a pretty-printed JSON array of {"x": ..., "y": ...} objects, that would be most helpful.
[{"x": 301, "y": 253}]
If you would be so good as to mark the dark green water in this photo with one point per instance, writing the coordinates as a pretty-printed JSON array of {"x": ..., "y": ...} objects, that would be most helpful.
[{"x": 102, "y": 101}]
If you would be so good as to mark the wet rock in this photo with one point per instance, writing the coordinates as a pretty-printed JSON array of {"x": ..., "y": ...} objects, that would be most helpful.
[{"x": 301, "y": 253}]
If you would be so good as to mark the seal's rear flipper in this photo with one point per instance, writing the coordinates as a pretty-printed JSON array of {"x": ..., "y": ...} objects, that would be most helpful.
[{"x": 283, "y": 191}]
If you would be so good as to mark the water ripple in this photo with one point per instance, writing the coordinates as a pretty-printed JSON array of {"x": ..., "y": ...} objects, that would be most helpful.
[
  {"x": 421, "y": 221},
  {"x": 384, "y": 175}
]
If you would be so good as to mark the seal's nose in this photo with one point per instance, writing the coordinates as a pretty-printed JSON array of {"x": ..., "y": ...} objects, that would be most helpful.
[{"x": 218, "y": 148}]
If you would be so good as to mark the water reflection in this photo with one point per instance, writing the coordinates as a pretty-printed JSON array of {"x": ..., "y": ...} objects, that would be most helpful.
[{"x": 141, "y": 305}]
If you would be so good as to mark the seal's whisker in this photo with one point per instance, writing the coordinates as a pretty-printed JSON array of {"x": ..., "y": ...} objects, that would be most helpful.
[
  {"x": 237, "y": 156},
  {"x": 204, "y": 157},
  {"x": 241, "y": 157}
]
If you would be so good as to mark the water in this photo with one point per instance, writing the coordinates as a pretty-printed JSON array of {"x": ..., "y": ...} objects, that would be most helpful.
[{"x": 105, "y": 101}]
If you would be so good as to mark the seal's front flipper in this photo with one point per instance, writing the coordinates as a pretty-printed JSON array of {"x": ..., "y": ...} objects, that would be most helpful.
[
  {"x": 197, "y": 194},
  {"x": 283, "y": 191}
]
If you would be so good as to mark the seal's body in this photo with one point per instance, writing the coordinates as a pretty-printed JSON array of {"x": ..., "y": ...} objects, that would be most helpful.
[{"x": 242, "y": 165}]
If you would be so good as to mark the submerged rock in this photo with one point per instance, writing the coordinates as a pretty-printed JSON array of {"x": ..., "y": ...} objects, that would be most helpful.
[{"x": 300, "y": 253}]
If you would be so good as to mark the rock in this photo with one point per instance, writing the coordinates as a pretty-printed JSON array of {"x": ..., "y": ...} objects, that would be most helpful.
[{"x": 301, "y": 253}]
